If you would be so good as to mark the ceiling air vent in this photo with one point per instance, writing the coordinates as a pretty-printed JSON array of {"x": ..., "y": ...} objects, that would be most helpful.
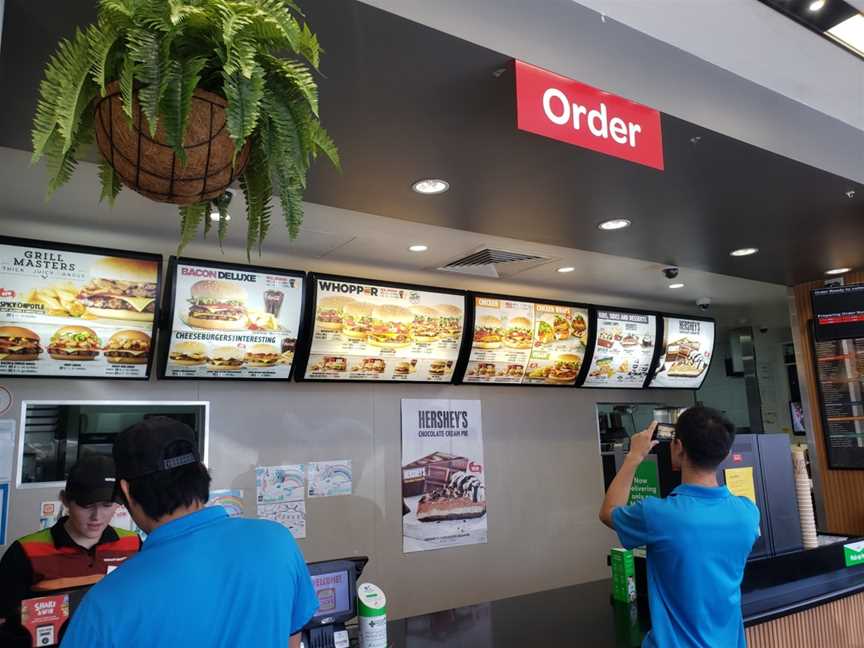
[{"x": 487, "y": 262}]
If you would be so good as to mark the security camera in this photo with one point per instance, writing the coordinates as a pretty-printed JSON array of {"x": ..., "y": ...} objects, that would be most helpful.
[
  {"x": 704, "y": 303},
  {"x": 671, "y": 272},
  {"x": 763, "y": 330}
]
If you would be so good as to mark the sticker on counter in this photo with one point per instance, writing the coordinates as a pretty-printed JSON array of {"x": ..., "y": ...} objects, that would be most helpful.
[
  {"x": 233, "y": 321},
  {"x": 291, "y": 515},
  {"x": 372, "y": 332},
  {"x": 330, "y": 478},
  {"x": 277, "y": 484}
]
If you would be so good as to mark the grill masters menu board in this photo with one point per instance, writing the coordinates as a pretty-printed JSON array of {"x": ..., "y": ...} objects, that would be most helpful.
[
  {"x": 76, "y": 312},
  {"x": 527, "y": 343},
  {"x": 623, "y": 350},
  {"x": 367, "y": 331},
  {"x": 233, "y": 321},
  {"x": 686, "y": 355}
]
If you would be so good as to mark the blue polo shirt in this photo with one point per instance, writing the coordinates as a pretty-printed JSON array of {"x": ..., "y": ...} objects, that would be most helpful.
[
  {"x": 697, "y": 540},
  {"x": 202, "y": 580}
]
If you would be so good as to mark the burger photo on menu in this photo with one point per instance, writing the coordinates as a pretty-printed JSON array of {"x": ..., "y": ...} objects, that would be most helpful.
[
  {"x": 74, "y": 343},
  {"x": 121, "y": 289},
  {"x": 391, "y": 327},
  {"x": 188, "y": 354},
  {"x": 565, "y": 369},
  {"x": 514, "y": 371},
  {"x": 260, "y": 356},
  {"x": 518, "y": 333},
  {"x": 450, "y": 320},
  {"x": 128, "y": 347},
  {"x": 405, "y": 367},
  {"x": 356, "y": 319},
  {"x": 226, "y": 358},
  {"x": 440, "y": 367},
  {"x": 427, "y": 323},
  {"x": 487, "y": 332},
  {"x": 18, "y": 344},
  {"x": 370, "y": 366},
  {"x": 217, "y": 304},
  {"x": 331, "y": 363},
  {"x": 330, "y": 312}
]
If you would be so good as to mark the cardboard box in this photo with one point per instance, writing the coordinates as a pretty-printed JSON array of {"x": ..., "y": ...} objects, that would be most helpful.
[{"x": 623, "y": 575}]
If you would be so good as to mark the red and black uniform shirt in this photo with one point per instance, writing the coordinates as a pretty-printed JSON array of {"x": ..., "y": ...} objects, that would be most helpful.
[{"x": 50, "y": 560}]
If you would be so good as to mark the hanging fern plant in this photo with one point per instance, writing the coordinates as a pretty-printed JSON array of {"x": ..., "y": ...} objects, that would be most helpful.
[{"x": 182, "y": 98}]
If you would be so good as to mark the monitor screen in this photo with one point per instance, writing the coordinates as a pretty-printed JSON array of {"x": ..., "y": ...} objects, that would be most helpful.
[
  {"x": 796, "y": 413},
  {"x": 333, "y": 592},
  {"x": 838, "y": 312},
  {"x": 623, "y": 349},
  {"x": 688, "y": 344}
]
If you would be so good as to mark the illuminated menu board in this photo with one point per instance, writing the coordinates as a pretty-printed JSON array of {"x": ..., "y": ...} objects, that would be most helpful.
[
  {"x": 76, "y": 312},
  {"x": 374, "y": 331},
  {"x": 623, "y": 349},
  {"x": 231, "y": 321},
  {"x": 840, "y": 375},
  {"x": 526, "y": 343},
  {"x": 839, "y": 312},
  {"x": 685, "y": 356}
]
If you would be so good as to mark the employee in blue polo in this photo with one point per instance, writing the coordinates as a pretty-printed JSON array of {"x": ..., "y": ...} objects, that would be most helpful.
[
  {"x": 697, "y": 539},
  {"x": 201, "y": 578}
]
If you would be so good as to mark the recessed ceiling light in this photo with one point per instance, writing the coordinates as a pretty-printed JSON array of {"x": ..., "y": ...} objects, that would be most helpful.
[
  {"x": 214, "y": 216},
  {"x": 744, "y": 252},
  {"x": 418, "y": 248},
  {"x": 817, "y": 5},
  {"x": 430, "y": 186},
  {"x": 837, "y": 271},
  {"x": 675, "y": 286},
  {"x": 850, "y": 33},
  {"x": 566, "y": 269},
  {"x": 614, "y": 224}
]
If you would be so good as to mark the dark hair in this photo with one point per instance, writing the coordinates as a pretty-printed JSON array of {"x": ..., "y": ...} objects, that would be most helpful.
[
  {"x": 706, "y": 435},
  {"x": 160, "y": 494}
]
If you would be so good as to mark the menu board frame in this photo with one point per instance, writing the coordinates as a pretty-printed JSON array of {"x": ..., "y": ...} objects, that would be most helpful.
[
  {"x": 658, "y": 332},
  {"x": 465, "y": 356},
  {"x": 165, "y": 328},
  {"x": 658, "y": 351},
  {"x": 102, "y": 252},
  {"x": 304, "y": 343},
  {"x": 823, "y": 418}
]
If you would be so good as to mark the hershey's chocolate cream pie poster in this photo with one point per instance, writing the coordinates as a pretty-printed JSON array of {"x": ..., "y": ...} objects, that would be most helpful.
[{"x": 443, "y": 477}]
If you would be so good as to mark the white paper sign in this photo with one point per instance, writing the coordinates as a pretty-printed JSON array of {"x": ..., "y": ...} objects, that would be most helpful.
[
  {"x": 443, "y": 477},
  {"x": 7, "y": 449},
  {"x": 291, "y": 515},
  {"x": 330, "y": 478},
  {"x": 49, "y": 513},
  {"x": 277, "y": 484}
]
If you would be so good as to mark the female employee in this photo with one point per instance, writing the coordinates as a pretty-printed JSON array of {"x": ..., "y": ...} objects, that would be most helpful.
[{"x": 78, "y": 550}]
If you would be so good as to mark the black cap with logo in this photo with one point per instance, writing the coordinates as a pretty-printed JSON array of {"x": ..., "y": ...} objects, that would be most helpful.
[
  {"x": 91, "y": 480},
  {"x": 142, "y": 449}
]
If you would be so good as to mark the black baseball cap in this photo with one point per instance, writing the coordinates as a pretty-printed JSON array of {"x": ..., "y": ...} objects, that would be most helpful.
[
  {"x": 141, "y": 449},
  {"x": 91, "y": 480}
]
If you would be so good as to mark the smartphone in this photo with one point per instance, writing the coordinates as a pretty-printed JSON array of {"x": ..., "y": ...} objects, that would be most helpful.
[{"x": 663, "y": 432}]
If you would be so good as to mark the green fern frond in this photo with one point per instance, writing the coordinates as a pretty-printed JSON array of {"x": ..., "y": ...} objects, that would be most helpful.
[
  {"x": 257, "y": 189},
  {"x": 117, "y": 10},
  {"x": 244, "y": 104},
  {"x": 208, "y": 224},
  {"x": 149, "y": 50},
  {"x": 110, "y": 181},
  {"x": 309, "y": 47},
  {"x": 298, "y": 75},
  {"x": 61, "y": 161},
  {"x": 127, "y": 85},
  {"x": 180, "y": 84},
  {"x": 223, "y": 224},
  {"x": 324, "y": 144},
  {"x": 102, "y": 37},
  {"x": 190, "y": 219},
  {"x": 180, "y": 11}
]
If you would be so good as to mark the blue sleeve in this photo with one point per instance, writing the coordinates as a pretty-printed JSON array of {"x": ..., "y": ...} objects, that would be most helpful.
[
  {"x": 631, "y": 525},
  {"x": 305, "y": 600},
  {"x": 85, "y": 629}
]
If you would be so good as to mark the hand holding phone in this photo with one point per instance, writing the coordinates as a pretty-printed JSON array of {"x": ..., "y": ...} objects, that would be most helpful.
[{"x": 663, "y": 432}]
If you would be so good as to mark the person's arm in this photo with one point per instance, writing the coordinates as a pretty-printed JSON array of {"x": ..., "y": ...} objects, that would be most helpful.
[
  {"x": 294, "y": 642},
  {"x": 619, "y": 490},
  {"x": 16, "y": 574}
]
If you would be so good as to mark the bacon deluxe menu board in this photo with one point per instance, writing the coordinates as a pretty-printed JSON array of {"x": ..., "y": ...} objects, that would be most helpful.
[
  {"x": 76, "y": 312},
  {"x": 366, "y": 330},
  {"x": 231, "y": 321},
  {"x": 623, "y": 349},
  {"x": 526, "y": 343},
  {"x": 686, "y": 353}
]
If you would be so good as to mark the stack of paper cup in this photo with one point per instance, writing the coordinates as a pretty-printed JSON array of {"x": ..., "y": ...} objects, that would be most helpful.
[{"x": 805, "y": 501}]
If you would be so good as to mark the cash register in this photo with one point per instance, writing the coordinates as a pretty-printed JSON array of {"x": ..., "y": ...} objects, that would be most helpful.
[{"x": 335, "y": 583}]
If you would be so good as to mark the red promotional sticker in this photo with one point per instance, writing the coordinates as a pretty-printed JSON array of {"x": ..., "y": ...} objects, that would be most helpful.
[{"x": 569, "y": 111}]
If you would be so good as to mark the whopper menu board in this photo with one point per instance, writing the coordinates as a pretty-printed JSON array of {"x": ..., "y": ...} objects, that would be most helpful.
[
  {"x": 77, "y": 312},
  {"x": 623, "y": 349},
  {"x": 526, "y": 343},
  {"x": 688, "y": 345},
  {"x": 231, "y": 321},
  {"x": 368, "y": 330}
]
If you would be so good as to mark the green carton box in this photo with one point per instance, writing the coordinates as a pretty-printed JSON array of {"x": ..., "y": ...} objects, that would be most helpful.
[
  {"x": 854, "y": 553},
  {"x": 623, "y": 575}
]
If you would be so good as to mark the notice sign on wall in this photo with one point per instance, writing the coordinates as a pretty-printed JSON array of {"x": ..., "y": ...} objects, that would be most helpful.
[
  {"x": 568, "y": 111},
  {"x": 443, "y": 478}
]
